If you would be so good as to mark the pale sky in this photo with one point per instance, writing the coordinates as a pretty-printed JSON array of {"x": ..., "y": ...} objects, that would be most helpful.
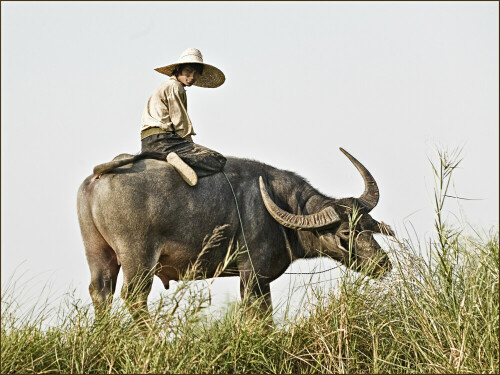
[{"x": 386, "y": 81}]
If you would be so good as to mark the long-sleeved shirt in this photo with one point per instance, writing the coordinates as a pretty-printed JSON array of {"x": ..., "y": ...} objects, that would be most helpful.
[{"x": 167, "y": 109}]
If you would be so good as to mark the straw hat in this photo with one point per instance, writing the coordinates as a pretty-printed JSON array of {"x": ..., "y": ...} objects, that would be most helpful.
[{"x": 211, "y": 77}]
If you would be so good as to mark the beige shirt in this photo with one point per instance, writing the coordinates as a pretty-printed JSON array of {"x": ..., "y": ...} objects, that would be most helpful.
[{"x": 167, "y": 109}]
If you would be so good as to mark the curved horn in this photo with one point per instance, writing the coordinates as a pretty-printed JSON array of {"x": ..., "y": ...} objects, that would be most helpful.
[
  {"x": 322, "y": 219},
  {"x": 371, "y": 195}
]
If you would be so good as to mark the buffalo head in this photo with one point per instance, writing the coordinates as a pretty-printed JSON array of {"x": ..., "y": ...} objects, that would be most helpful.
[{"x": 343, "y": 228}]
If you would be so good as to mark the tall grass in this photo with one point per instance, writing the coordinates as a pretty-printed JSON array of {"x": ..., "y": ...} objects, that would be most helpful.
[{"x": 437, "y": 312}]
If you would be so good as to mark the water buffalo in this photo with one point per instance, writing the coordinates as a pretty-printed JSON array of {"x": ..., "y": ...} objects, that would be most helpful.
[{"x": 144, "y": 218}]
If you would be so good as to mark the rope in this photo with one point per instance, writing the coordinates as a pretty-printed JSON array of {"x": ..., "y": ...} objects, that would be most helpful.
[
  {"x": 310, "y": 273},
  {"x": 242, "y": 230},
  {"x": 239, "y": 215}
]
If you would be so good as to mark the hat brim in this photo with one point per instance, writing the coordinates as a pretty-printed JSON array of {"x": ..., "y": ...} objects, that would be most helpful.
[{"x": 212, "y": 77}]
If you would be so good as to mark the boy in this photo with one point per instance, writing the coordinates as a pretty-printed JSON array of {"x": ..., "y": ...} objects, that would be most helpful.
[{"x": 166, "y": 127}]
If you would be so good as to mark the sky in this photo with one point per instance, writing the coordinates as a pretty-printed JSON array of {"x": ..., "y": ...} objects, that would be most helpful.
[{"x": 390, "y": 82}]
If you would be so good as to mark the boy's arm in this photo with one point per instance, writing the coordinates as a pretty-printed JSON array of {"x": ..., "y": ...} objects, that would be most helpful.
[{"x": 177, "y": 104}]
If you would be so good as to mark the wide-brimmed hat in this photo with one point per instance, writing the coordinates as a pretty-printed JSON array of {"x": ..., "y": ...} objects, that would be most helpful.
[{"x": 211, "y": 77}]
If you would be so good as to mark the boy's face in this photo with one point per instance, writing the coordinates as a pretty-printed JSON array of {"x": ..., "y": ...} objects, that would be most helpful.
[{"x": 188, "y": 76}]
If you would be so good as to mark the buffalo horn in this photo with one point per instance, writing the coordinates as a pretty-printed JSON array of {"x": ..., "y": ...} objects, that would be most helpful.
[
  {"x": 322, "y": 219},
  {"x": 370, "y": 196}
]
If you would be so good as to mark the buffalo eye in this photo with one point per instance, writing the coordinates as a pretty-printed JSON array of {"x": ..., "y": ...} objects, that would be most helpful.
[{"x": 345, "y": 233}]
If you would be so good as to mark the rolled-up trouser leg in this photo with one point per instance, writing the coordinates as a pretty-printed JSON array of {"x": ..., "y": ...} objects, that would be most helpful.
[
  {"x": 186, "y": 172},
  {"x": 204, "y": 161}
]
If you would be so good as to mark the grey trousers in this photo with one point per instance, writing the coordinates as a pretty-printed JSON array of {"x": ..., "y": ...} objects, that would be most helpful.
[{"x": 204, "y": 161}]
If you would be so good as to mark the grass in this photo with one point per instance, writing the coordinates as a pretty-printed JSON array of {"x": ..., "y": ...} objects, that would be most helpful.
[{"x": 437, "y": 312}]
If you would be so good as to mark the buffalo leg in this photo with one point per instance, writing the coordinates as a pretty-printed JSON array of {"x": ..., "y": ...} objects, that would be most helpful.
[
  {"x": 104, "y": 270},
  {"x": 102, "y": 260},
  {"x": 137, "y": 283},
  {"x": 254, "y": 288}
]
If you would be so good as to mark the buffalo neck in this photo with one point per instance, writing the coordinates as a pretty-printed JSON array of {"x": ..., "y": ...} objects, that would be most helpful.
[{"x": 299, "y": 197}]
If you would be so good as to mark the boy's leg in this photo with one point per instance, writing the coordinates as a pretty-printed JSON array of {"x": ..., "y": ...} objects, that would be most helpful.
[
  {"x": 165, "y": 143},
  {"x": 189, "y": 159},
  {"x": 186, "y": 172},
  {"x": 169, "y": 145},
  {"x": 203, "y": 160}
]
